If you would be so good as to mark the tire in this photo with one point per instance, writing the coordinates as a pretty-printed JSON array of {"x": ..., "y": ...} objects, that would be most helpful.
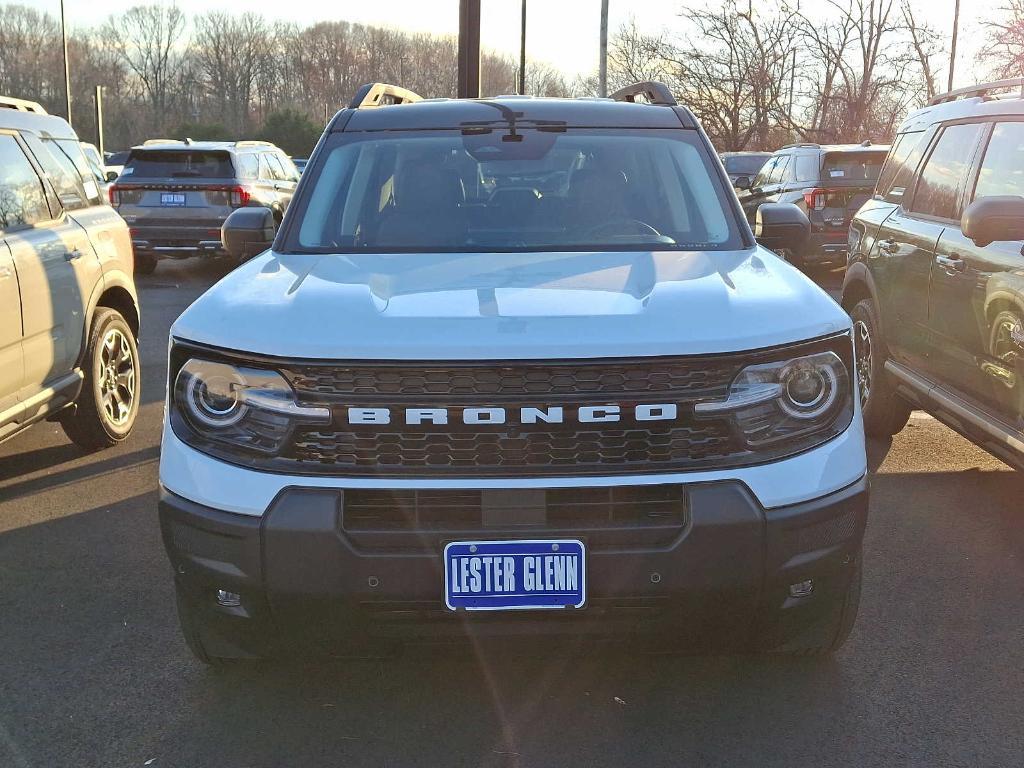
[
  {"x": 108, "y": 404},
  {"x": 830, "y": 638},
  {"x": 145, "y": 264},
  {"x": 1002, "y": 345},
  {"x": 190, "y": 620},
  {"x": 885, "y": 412}
]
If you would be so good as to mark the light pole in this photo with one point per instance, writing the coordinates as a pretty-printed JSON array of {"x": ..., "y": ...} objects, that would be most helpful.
[
  {"x": 952, "y": 47},
  {"x": 522, "y": 54},
  {"x": 602, "y": 67},
  {"x": 67, "y": 69}
]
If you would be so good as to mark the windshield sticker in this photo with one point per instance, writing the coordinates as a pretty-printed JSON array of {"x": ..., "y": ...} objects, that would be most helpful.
[
  {"x": 127, "y": 171},
  {"x": 835, "y": 173}
]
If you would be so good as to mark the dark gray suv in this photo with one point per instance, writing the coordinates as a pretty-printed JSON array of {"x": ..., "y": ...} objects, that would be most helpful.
[{"x": 175, "y": 195}]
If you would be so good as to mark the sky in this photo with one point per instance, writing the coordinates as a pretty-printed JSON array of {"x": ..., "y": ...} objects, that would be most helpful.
[{"x": 563, "y": 33}]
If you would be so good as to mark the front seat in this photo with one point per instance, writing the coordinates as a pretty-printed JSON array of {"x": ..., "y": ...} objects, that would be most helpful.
[
  {"x": 428, "y": 209},
  {"x": 597, "y": 196}
]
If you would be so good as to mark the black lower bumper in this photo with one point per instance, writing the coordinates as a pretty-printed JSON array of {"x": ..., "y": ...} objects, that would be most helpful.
[
  {"x": 825, "y": 246},
  {"x": 727, "y": 577}
]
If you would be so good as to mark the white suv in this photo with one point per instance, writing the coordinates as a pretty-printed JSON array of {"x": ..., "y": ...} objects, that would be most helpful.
[{"x": 513, "y": 366}]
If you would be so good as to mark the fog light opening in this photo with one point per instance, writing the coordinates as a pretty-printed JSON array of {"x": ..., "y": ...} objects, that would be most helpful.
[
  {"x": 227, "y": 599},
  {"x": 802, "y": 589}
]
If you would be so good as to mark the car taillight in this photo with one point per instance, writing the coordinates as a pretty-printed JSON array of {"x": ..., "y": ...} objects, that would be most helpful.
[
  {"x": 819, "y": 199},
  {"x": 240, "y": 196},
  {"x": 115, "y": 195}
]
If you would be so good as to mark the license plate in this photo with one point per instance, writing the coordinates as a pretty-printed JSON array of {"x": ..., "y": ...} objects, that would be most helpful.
[
  {"x": 175, "y": 199},
  {"x": 515, "y": 575}
]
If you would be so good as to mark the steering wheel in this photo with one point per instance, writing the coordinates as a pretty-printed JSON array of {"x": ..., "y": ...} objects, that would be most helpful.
[{"x": 618, "y": 225}]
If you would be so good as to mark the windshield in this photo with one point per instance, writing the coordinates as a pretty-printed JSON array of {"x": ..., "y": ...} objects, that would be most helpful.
[
  {"x": 853, "y": 166},
  {"x": 489, "y": 190},
  {"x": 164, "y": 163},
  {"x": 747, "y": 165}
]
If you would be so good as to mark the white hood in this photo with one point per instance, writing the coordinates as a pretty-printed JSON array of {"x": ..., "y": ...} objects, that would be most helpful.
[{"x": 510, "y": 305}]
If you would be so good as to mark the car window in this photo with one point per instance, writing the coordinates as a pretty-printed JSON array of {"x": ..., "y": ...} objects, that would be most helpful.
[
  {"x": 266, "y": 173},
  {"x": 765, "y": 173},
  {"x": 899, "y": 166},
  {"x": 1002, "y": 170},
  {"x": 178, "y": 163},
  {"x": 277, "y": 171},
  {"x": 859, "y": 165},
  {"x": 944, "y": 172},
  {"x": 63, "y": 174},
  {"x": 90, "y": 176},
  {"x": 291, "y": 173},
  {"x": 22, "y": 197},
  {"x": 445, "y": 191},
  {"x": 745, "y": 165},
  {"x": 248, "y": 166},
  {"x": 807, "y": 168},
  {"x": 779, "y": 170}
]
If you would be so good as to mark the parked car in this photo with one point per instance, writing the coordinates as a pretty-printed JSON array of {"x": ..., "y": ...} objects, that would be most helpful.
[
  {"x": 175, "y": 195},
  {"x": 448, "y": 401},
  {"x": 69, "y": 316},
  {"x": 743, "y": 165},
  {"x": 115, "y": 162},
  {"x": 300, "y": 163},
  {"x": 828, "y": 182},
  {"x": 102, "y": 177},
  {"x": 935, "y": 283}
]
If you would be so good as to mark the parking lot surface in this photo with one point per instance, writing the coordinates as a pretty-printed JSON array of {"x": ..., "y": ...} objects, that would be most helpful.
[{"x": 94, "y": 672}]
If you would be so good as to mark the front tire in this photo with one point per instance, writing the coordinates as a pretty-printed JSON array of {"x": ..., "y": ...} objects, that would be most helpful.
[
  {"x": 885, "y": 412},
  {"x": 108, "y": 404},
  {"x": 145, "y": 264}
]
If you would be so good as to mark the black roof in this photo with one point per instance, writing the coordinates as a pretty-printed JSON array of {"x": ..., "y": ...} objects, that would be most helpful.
[{"x": 452, "y": 113}]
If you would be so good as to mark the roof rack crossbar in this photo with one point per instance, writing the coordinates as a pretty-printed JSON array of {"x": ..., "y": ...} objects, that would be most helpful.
[
  {"x": 981, "y": 89},
  {"x": 381, "y": 94},
  {"x": 21, "y": 105},
  {"x": 652, "y": 91}
]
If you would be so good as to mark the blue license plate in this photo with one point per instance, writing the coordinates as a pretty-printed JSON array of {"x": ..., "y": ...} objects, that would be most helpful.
[
  {"x": 515, "y": 575},
  {"x": 173, "y": 199}
]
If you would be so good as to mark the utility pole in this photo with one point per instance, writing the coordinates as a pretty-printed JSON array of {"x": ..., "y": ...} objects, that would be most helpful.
[
  {"x": 67, "y": 69},
  {"x": 522, "y": 54},
  {"x": 602, "y": 67},
  {"x": 99, "y": 120},
  {"x": 952, "y": 48},
  {"x": 469, "y": 49}
]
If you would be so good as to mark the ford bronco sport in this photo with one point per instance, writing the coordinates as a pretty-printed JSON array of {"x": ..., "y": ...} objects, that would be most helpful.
[
  {"x": 513, "y": 366},
  {"x": 69, "y": 316},
  {"x": 935, "y": 282}
]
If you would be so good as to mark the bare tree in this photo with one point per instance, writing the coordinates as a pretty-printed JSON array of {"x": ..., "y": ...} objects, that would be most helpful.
[
  {"x": 1003, "y": 53},
  {"x": 230, "y": 52}
]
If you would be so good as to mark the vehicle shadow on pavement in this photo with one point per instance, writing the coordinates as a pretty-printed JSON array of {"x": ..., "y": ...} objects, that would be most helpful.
[
  {"x": 96, "y": 673},
  {"x": 17, "y": 464}
]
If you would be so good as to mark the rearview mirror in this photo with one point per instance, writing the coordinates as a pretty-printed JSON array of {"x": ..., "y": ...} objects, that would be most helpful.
[
  {"x": 991, "y": 219},
  {"x": 248, "y": 232},
  {"x": 742, "y": 182},
  {"x": 111, "y": 176},
  {"x": 781, "y": 226}
]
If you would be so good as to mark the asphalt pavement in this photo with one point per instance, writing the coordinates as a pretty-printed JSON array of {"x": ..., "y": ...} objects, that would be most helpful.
[{"x": 93, "y": 671}]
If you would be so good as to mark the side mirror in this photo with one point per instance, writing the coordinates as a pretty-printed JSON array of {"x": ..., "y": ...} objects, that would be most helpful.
[
  {"x": 111, "y": 176},
  {"x": 742, "y": 182},
  {"x": 781, "y": 226},
  {"x": 248, "y": 232},
  {"x": 991, "y": 219}
]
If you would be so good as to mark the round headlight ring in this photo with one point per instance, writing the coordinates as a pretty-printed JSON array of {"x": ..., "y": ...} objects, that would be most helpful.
[
  {"x": 213, "y": 400},
  {"x": 795, "y": 377}
]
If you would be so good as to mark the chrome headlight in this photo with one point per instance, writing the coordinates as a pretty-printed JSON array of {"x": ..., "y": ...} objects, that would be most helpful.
[
  {"x": 245, "y": 407},
  {"x": 802, "y": 397}
]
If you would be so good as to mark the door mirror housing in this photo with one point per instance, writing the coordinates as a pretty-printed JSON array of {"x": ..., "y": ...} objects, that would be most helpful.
[
  {"x": 991, "y": 219},
  {"x": 742, "y": 182},
  {"x": 248, "y": 232},
  {"x": 781, "y": 226},
  {"x": 111, "y": 176}
]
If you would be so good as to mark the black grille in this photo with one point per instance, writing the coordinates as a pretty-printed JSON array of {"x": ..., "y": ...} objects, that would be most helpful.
[
  {"x": 599, "y": 450},
  {"x": 544, "y": 380}
]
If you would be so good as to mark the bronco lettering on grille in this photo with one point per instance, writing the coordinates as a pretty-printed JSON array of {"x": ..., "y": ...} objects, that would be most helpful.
[{"x": 552, "y": 414}]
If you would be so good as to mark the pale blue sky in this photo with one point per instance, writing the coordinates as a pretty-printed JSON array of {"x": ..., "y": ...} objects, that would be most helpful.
[{"x": 562, "y": 32}]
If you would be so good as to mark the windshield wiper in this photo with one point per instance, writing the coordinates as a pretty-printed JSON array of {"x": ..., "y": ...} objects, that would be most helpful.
[{"x": 511, "y": 119}]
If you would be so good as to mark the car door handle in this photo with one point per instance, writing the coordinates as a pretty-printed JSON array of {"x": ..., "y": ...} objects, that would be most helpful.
[
  {"x": 951, "y": 263},
  {"x": 889, "y": 246},
  {"x": 72, "y": 255}
]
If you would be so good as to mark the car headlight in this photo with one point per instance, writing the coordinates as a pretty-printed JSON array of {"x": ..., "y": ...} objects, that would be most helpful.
[
  {"x": 248, "y": 408},
  {"x": 802, "y": 397}
]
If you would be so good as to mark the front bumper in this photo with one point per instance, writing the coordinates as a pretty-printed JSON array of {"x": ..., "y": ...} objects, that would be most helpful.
[{"x": 725, "y": 577}]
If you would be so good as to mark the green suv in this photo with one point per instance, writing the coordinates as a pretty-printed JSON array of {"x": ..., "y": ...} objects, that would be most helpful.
[{"x": 935, "y": 280}]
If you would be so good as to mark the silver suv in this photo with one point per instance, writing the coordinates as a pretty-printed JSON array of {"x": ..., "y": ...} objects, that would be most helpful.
[
  {"x": 69, "y": 313},
  {"x": 175, "y": 195}
]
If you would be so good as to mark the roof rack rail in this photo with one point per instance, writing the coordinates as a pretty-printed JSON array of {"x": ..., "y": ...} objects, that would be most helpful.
[
  {"x": 21, "y": 105},
  {"x": 801, "y": 144},
  {"x": 652, "y": 91},
  {"x": 253, "y": 143},
  {"x": 151, "y": 142},
  {"x": 382, "y": 94},
  {"x": 982, "y": 90}
]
